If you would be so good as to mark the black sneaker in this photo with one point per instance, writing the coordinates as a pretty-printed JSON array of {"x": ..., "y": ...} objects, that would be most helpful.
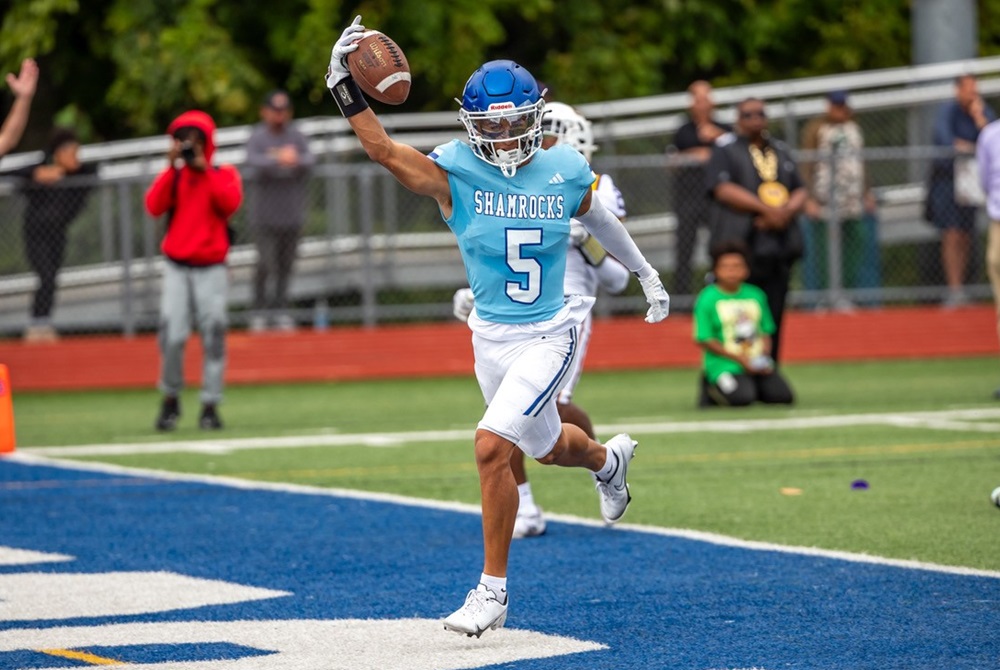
[
  {"x": 170, "y": 411},
  {"x": 209, "y": 418}
]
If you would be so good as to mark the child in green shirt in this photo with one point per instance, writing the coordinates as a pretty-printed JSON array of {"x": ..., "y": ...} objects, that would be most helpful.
[{"x": 733, "y": 325}]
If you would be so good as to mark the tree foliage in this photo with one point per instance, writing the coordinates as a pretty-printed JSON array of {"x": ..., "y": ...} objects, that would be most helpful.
[{"x": 128, "y": 67}]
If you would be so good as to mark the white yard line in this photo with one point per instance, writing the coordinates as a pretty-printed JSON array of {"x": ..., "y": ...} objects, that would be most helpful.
[
  {"x": 950, "y": 420},
  {"x": 694, "y": 535}
]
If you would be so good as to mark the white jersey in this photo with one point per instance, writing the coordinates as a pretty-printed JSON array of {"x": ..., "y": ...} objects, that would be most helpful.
[{"x": 582, "y": 277}]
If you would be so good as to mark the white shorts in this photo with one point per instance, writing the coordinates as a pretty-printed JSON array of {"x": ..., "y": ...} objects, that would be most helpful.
[
  {"x": 521, "y": 373},
  {"x": 566, "y": 394}
]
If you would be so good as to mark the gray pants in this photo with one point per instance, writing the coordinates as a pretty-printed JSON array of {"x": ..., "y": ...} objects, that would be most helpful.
[
  {"x": 276, "y": 251},
  {"x": 198, "y": 292}
]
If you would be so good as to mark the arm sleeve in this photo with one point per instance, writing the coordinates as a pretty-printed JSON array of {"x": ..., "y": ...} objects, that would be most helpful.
[
  {"x": 609, "y": 231},
  {"x": 159, "y": 196},
  {"x": 227, "y": 190}
]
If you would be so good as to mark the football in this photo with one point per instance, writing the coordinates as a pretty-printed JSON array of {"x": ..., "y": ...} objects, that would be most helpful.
[
  {"x": 380, "y": 69},
  {"x": 995, "y": 496}
]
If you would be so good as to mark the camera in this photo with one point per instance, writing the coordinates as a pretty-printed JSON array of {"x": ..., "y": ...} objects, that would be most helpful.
[
  {"x": 188, "y": 137},
  {"x": 187, "y": 151}
]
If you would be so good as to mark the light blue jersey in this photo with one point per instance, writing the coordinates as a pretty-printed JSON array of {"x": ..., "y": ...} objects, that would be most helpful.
[{"x": 513, "y": 233}]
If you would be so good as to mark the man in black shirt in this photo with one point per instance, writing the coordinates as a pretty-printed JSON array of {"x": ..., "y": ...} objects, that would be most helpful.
[
  {"x": 693, "y": 146},
  {"x": 756, "y": 196}
]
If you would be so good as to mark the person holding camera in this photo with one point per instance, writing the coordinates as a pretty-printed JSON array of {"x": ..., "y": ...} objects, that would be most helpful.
[
  {"x": 733, "y": 325},
  {"x": 197, "y": 200}
]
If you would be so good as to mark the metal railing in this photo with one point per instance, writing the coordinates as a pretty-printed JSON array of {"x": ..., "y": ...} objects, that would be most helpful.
[{"x": 371, "y": 251}]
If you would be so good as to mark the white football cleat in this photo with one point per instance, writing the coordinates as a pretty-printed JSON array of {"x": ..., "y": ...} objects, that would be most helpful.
[
  {"x": 529, "y": 523},
  {"x": 614, "y": 492},
  {"x": 482, "y": 611}
]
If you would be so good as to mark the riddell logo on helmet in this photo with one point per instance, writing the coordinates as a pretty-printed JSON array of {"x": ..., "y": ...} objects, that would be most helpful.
[{"x": 497, "y": 106}]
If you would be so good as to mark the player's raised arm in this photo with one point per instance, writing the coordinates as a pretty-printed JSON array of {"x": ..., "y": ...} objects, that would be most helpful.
[{"x": 413, "y": 169}]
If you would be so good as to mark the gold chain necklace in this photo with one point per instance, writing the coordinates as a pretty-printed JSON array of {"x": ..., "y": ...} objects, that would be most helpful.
[
  {"x": 766, "y": 162},
  {"x": 771, "y": 192}
]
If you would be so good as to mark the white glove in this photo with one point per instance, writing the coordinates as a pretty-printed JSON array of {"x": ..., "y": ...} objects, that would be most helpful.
[
  {"x": 462, "y": 304},
  {"x": 656, "y": 294},
  {"x": 347, "y": 43}
]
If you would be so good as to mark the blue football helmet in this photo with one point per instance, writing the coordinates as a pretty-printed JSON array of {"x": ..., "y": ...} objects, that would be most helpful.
[{"x": 501, "y": 105}]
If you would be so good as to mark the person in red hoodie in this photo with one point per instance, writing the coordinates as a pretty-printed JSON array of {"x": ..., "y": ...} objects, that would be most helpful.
[{"x": 197, "y": 200}]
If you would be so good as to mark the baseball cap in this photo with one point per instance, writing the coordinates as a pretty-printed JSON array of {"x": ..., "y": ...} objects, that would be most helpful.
[
  {"x": 278, "y": 100},
  {"x": 837, "y": 97}
]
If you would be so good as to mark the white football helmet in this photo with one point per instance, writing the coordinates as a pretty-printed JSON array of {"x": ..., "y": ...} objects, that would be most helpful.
[{"x": 570, "y": 127}]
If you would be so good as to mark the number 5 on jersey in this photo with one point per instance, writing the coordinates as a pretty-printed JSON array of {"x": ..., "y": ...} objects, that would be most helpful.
[{"x": 527, "y": 289}]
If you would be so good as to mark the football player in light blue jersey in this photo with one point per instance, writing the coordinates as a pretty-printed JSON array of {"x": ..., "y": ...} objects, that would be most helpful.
[
  {"x": 510, "y": 209},
  {"x": 588, "y": 268}
]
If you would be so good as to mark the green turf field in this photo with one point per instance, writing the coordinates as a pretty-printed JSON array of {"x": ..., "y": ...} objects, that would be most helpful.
[{"x": 925, "y": 435}]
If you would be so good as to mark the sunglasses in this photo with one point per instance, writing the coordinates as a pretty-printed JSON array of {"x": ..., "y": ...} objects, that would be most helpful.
[{"x": 753, "y": 114}]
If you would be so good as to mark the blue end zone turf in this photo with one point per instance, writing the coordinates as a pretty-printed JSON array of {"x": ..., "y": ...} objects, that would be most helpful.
[{"x": 654, "y": 601}]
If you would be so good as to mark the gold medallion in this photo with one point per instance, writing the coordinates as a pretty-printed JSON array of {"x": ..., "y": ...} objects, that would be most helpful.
[{"x": 772, "y": 193}]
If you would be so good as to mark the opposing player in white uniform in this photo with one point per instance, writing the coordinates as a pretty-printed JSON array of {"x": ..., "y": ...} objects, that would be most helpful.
[
  {"x": 588, "y": 267},
  {"x": 510, "y": 207}
]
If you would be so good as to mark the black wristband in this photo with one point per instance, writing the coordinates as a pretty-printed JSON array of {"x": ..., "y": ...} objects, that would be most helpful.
[{"x": 349, "y": 97}]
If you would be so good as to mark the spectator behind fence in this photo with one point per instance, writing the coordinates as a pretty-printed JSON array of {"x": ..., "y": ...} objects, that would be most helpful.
[
  {"x": 733, "y": 325},
  {"x": 988, "y": 157},
  {"x": 756, "y": 198},
  {"x": 281, "y": 161},
  {"x": 957, "y": 126},
  {"x": 693, "y": 145},
  {"x": 198, "y": 200},
  {"x": 55, "y": 191},
  {"x": 839, "y": 194},
  {"x": 23, "y": 88}
]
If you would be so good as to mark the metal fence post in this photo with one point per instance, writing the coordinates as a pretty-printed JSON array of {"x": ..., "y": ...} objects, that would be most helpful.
[
  {"x": 107, "y": 225},
  {"x": 369, "y": 292},
  {"x": 125, "y": 226},
  {"x": 835, "y": 278}
]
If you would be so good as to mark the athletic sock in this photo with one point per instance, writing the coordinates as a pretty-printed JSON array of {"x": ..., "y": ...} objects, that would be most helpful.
[
  {"x": 498, "y": 585},
  {"x": 527, "y": 501},
  {"x": 610, "y": 467}
]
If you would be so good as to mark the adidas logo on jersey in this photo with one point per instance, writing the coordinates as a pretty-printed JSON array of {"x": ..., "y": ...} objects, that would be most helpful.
[{"x": 557, "y": 179}]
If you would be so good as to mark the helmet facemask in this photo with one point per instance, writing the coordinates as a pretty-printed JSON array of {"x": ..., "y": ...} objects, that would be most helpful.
[{"x": 504, "y": 124}]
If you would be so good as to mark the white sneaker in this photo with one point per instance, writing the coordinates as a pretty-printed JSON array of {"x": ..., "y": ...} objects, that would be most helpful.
[
  {"x": 481, "y": 611},
  {"x": 614, "y": 492},
  {"x": 529, "y": 523}
]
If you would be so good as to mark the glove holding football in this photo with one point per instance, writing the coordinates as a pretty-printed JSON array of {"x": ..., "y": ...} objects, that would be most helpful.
[
  {"x": 656, "y": 294},
  {"x": 462, "y": 303},
  {"x": 347, "y": 43}
]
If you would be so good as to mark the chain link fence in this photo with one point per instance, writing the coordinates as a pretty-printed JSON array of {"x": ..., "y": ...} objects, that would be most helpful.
[{"x": 372, "y": 252}]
